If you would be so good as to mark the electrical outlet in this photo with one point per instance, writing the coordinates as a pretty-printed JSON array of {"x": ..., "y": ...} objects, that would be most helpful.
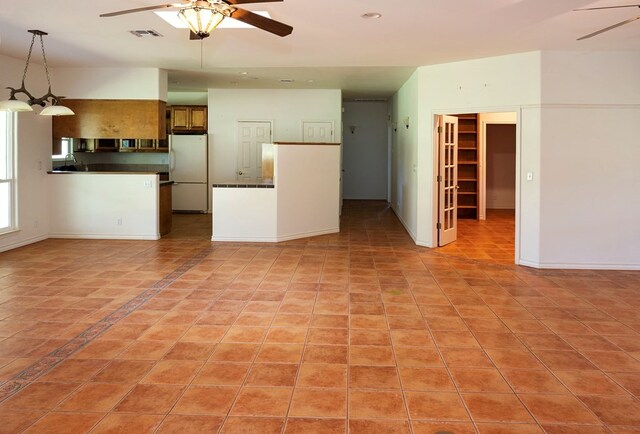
[
  {"x": 36, "y": 224},
  {"x": 529, "y": 176},
  {"x": 147, "y": 184},
  {"x": 119, "y": 221}
]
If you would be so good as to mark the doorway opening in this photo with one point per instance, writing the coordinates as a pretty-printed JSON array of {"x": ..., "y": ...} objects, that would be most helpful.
[{"x": 486, "y": 187}]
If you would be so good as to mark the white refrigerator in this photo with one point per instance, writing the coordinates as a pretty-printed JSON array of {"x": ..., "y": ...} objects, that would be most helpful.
[{"x": 188, "y": 171}]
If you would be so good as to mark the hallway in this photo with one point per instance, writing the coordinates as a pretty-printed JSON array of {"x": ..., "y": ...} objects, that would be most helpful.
[{"x": 360, "y": 332}]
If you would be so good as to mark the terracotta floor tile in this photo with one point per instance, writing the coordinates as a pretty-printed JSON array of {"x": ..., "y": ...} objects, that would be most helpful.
[
  {"x": 492, "y": 407},
  {"x": 318, "y": 403},
  {"x": 519, "y": 428},
  {"x": 514, "y": 359},
  {"x": 150, "y": 399},
  {"x": 411, "y": 338},
  {"x": 455, "y": 339},
  {"x": 239, "y": 334},
  {"x": 617, "y": 361},
  {"x": 364, "y": 426},
  {"x": 243, "y": 425},
  {"x": 575, "y": 429},
  {"x": 369, "y": 337},
  {"x": 426, "y": 427},
  {"x": 479, "y": 380},
  {"x": 121, "y": 423},
  {"x": 371, "y": 355},
  {"x": 416, "y": 357},
  {"x": 327, "y": 336},
  {"x": 94, "y": 397},
  {"x": 426, "y": 379},
  {"x": 124, "y": 371},
  {"x": 589, "y": 383},
  {"x": 222, "y": 374},
  {"x": 334, "y": 321},
  {"x": 465, "y": 357},
  {"x": 322, "y": 375},
  {"x": 286, "y": 335},
  {"x": 279, "y": 353},
  {"x": 376, "y": 405},
  {"x": 315, "y": 426},
  {"x": 146, "y": 350},
  {"x": 165, "y": 332},
  {"x": 630, "y": 381},
  {"x": 564, "y": 360},
  {"x": 234, "y": 353},
  {"x": 180, "y": 424},
  {"x": 325, "y": 354},
  {"x": 533, "y": 381},
  {"x": 558, "y": 409},
  {"x": 75, "y": 370},
  {"x": 65, "y": 422},
  {"x": 172, "y": 372},
  {"x": 14, "y": 422},
  {"x": 373, "y": 377},
  {"x": 436, "y": 406},
  {"x": 257, "y": 401},
  {"x": 190, "y": 351},
  {"x": 39, "y": 396},
  {"x": 272, "y": 374},
  {"x": 614, "y": 410},
  {"x": 204, "y": 334},
  {"x": 205, "y": 400}
]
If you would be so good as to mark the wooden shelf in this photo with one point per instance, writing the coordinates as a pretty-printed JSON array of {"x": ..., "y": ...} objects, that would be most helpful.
[{"x": 468, "y": 165}]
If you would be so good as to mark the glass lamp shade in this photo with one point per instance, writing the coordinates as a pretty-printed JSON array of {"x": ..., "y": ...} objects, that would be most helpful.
[
  {"x": 201, "y": 20},
  {"x": 13, "y": 105},
  {"x": 56, "y": 110}
]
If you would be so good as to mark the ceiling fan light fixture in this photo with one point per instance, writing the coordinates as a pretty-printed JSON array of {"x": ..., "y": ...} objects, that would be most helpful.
[
  {"x": 201, "y": 20},
  {"x": 14, "y": 105}
]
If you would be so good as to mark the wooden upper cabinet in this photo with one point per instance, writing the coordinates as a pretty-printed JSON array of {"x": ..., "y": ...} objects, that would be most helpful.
[
  {"x": 188, "y": 119},
  {"x": 112, "y": 119}
]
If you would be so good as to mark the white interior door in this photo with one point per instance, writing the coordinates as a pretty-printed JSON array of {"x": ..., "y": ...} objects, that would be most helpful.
[
  {"x": 319, "y": 132},
  {"x": 447, "y": 179},
  {"x": 251, "y": 136}
]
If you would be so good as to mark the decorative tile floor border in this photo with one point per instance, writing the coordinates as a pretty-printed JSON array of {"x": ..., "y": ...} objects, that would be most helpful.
[{"x": 48, "y": 362}]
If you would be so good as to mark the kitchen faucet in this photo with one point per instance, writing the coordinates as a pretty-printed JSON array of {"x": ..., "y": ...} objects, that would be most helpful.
[{"x": 73, "y": 158}]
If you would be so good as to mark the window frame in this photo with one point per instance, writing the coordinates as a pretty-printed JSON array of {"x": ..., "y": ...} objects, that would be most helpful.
[{"x": 12, "y": 172}]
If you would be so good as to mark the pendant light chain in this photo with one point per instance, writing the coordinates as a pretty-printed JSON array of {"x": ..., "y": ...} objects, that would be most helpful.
[
  {"x": 26, "y": 66},
  {"x": 44, "y": 57}
]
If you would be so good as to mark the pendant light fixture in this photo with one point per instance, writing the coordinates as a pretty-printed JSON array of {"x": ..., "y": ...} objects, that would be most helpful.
[{"x": 15, "y": 105}]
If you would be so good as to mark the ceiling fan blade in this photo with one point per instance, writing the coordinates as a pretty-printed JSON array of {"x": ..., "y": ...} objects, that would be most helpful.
[
  {"x": 606, "y": 29},
  {"x": 242, "y": 2},
  {"x": 264, "y": 23},
  {"x": 607, "y": 7},
  {"x": 130, "y": 11}
]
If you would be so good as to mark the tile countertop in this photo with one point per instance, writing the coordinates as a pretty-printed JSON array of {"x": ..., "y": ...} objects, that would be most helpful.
[{"x": 244, "y": 184}]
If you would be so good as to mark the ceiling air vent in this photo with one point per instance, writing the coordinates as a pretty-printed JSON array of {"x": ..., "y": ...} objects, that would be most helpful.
[{"x": 146, "y": 33}]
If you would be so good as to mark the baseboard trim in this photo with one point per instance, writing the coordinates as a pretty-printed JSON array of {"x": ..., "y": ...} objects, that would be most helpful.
[
  {"x": 23, "y": 243},
  {"x": 406, "y": 228},
  {"x": 107, "y": 237},
  {"x": 275, "y": 239},
  {"x": 578, "y": 266}
]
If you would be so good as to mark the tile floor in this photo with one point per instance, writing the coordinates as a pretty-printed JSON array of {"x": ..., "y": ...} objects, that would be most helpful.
[{"x": 359, "y": 332}]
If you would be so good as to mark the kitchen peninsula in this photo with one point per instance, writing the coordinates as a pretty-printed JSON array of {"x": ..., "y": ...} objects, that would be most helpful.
[
  {"x": 109, "y": 205},
  {"x": 302, "y": 198}
]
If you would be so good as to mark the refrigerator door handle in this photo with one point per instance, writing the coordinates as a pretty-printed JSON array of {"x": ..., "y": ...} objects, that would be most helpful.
[{"x": 172, "y": 160}]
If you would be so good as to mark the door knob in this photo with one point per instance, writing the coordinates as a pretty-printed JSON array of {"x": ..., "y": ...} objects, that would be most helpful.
[
  {"x": 457, "y": 187},
  {"x": 240, "y": 172}
]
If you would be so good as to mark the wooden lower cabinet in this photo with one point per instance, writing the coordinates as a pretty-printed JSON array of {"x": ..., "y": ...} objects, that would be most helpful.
[{"x": 165, "y": 213}]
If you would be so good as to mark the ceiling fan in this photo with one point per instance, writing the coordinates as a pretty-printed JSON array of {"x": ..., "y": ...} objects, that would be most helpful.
[
  {"x": 606, "y": 29},
  {"x": 202, "y": 16}
]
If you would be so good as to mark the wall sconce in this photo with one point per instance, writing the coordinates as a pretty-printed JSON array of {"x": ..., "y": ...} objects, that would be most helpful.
[
  {"x": 15, "y": 105},
  {"x": 405, "y": 121},
  {"x": 352, "y": 128}
]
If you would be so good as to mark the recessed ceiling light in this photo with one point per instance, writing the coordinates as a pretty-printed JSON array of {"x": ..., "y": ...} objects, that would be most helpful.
[
  {"x": 173, "y": 19},
  {"x": 243, "y": 73},
  {"x": 370, "y": 15}
]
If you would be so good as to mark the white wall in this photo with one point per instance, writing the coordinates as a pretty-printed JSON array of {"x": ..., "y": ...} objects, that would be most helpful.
[
  {"x": 286, "y": 108},
  {"x": 110, "y": 83},
  {"x": 501, "y": 166},
  {"x": 404, "y": 153},
  {"x": 187, "y": 98},
  {"x": 364, "y": 158},
  {"x": 590, "y": 180},
  {"x": 89, "y": 205},
  {"x": 307, "y": 178},
  {"x": 34, "y": 157}
]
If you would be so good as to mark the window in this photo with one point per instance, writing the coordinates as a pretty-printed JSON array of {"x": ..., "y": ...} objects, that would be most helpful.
[
  {"x": 65, "y": 149},
  {"x": 7, "y": 174}
]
